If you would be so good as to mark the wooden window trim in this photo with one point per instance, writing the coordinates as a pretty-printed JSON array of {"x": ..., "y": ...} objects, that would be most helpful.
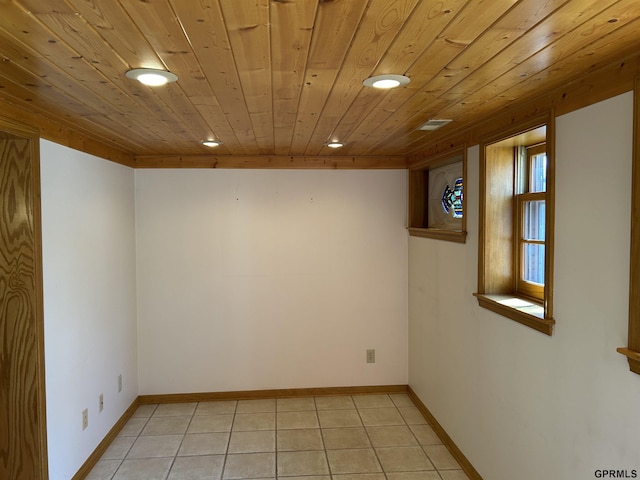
[
  {"x": 632, "y": 350},
  {"x": 418, "y": 184},
  {"x": 496, "y": 286},
  {"x": 522, "y": 287}
]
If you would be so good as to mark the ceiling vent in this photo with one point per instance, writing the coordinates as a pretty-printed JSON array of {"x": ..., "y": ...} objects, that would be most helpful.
[{"x": 433, "y": 124}]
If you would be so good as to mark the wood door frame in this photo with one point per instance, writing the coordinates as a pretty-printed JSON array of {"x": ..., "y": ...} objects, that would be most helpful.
[{"x": 31, "y": 393}]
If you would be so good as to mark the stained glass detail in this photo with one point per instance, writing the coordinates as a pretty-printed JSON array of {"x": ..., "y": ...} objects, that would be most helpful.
[{"x": 452, "y": 199}]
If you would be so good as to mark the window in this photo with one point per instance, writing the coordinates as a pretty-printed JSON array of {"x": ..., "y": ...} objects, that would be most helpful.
[
  {"x": 436, "y": 197},
  {"x": 516, "y": 227},
  {"x": 531, "y": 183}
]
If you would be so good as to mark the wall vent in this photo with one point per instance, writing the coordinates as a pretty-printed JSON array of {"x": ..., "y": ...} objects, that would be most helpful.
[{"x": 434, "y": 124}]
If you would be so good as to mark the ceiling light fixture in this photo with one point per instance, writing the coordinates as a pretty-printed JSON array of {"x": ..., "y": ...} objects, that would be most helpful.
[
  {"x": 334, "y": 144},
  {"x": 386, "y": 81},
  {"x": 211, "y": 143},
  {"x": 151, "y": 77}
]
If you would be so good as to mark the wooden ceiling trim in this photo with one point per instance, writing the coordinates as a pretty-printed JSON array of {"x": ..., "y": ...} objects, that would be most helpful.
[
  {"x": 249, "y": 37},
  {"x": 335, "y": 26},
  {"x": 71, "y": 137},
  {"x": 517, "y": 64},
  {"x": 271, "y": 161},
  {"x": 378, "y": 28},
  {"x": 614, "y": 79},
  {"x": 225, "y": 112},
  {"x": 291, "y": 30}
]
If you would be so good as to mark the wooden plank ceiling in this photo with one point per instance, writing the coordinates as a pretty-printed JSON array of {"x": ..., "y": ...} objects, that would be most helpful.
[{"x": 280, "y": 78}]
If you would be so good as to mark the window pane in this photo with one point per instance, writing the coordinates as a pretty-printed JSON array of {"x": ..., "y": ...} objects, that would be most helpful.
[
  {"x": 538, "y": 173},
  {"x": 534, "y": 212},
  {"x": 533, "y": 263}
]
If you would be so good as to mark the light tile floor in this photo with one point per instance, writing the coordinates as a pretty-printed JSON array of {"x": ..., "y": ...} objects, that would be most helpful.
[{"x": 359, "y": 437}]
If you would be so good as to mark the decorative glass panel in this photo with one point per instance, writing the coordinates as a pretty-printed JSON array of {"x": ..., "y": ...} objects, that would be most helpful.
[{"x": 445, "y": 197}]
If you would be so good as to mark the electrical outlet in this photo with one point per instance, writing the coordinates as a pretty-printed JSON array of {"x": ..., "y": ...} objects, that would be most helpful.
[
  {"x": 371, "y": 356},
  {"x": 119, "y": 383},
  {"x": 101, "y": 403},
  {"x": 85, "y": 418}
]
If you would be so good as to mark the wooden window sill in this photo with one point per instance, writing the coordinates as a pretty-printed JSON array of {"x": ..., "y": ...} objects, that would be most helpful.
[
  {"x": 439, "y": 234},
  {"x": 633, "y": 357},
  {"x": 518, "y": 309}
]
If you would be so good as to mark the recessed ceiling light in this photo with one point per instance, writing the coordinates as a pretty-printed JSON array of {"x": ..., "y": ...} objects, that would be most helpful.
[
  {"x": 211, "y": 143},
  {"x": 386, "y": 81},
  {"x": 151, "y": 77},
  {"x": 334, "y": 144}
]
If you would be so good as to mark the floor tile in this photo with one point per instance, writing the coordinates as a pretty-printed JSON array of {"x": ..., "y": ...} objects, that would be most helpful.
[
  {"x": 373, "y": 401},
  {"x": 412, "y": 416},
  {"x": 118, "y": 448},
  {"x": 337, "y": 438},
  {"x": 302, "y": 463},
  {"x": 204, "y": 444},
  {"x": 155, "y": 446},
  {"x": 339, "y": 418},
  {"x": 145, "y": 411},
  {"x": 335, "y": 403},
  {"x": 250, "y": 465},
  {"x": 254, "y": 421},
  {"x": 311, "y": 477},
  {"x": 353, "y": 461},
  {"x": 304, "y": 439},
  {"x": 453, "y": 475},
  {"x": 166, "y": 426},
  {"x": 174, "y": 409},
  {"x": 429, "y": 475},
  {"x": 403, "y": 459},
  {"x": 210, "y": 424},
  {"x": 103, "y": 470},
  {"x": 393, "y": 436},
  {"x": 262, "y": 405},
  {"x": 401, "y": 400},
  {"x": 144, "y": 469},
  {"x": 381, "y": 416},
  {"x": 203, "y": 467},
  {"x": 253, "y": 442},
  {"x": 295, "y": 404},
  {"x": 133, "y": 427},
  {"x": 222, "y": 407},
  {"x": 425, "y": 435},
  {"x": 290, "y": 420},
  {"x": 360, "y": 476},
  {"x": 441, "y": 457}
]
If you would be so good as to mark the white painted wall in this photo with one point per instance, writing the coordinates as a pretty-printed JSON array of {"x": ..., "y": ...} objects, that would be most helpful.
[
  {"x": 251, "y": 279},
  {"x": 518, "y": 403},
  {"x": 88, "y": 229}
]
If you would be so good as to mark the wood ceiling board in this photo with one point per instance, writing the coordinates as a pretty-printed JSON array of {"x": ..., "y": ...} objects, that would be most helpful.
[
  {"x": 621, "y": 41},
  {"x": 208, "y": 37},
  {"x": 291, "y": 30},
  {"x": 472, "y": 97},
  {"x": 284, "y": 76},
  {"x": 248, "y": 26},
  {"x": 335, "y": 26},
  {"x": 446, "y": 48},
  {"x": 379, "y": 26}
]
